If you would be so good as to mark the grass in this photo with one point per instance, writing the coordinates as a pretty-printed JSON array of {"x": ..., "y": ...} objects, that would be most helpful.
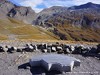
[
  {"x": 23, "y": 31},
  {"x": 26, "y": 31},
  {"x": 3, "y": 37},
  {"x": 78, "y": 34}
]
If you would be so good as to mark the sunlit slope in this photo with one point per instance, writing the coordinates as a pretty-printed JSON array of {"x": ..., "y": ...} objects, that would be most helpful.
[
  {"x": 79, "y": 34},
  {"x": 13, "y": 29}
]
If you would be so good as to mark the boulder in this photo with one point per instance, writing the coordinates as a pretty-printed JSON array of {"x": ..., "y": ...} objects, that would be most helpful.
[{"x": 56, "y": 62}]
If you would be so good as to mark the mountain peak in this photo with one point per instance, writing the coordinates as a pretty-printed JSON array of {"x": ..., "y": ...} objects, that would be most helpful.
[
  {"x": 87, "y": 5},
  {"x": 90, "y": 3}
]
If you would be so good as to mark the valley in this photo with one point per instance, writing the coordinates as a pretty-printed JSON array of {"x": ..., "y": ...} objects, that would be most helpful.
[{"x": 72, "y": 31}]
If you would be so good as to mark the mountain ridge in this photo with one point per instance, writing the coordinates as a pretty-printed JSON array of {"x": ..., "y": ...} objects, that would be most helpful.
[
  {"x": 83, "y": 22},
  {"x": 8, "y": 9},
  {"x": 79, "y": 23},
  {"x": 87, "y": 5}
]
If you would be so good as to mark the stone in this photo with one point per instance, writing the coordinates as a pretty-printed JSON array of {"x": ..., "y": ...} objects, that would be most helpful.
[{"x": 56, "y": 62}]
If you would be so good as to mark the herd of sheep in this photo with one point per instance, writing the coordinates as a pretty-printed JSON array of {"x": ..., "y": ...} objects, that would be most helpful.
[{"x": 57, "y": 47}]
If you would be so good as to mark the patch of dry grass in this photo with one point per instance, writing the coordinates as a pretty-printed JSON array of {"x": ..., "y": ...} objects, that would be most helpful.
[
  {"x": 3, "y": 37},
  {"x": 78, "y": 34},
  {"x": 23, "y": 31}
]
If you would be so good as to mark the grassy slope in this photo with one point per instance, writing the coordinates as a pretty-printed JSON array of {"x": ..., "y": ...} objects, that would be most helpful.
[
  {"x": 20, "y": 30},
  {"x": 78, "y": 34}
]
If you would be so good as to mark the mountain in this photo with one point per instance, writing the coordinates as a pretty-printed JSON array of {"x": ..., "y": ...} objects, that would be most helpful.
[
  {"x": 80, "y": 23},
  {"x": 8, "y": 9},
  {"x": 83, "y": 15},
  {"x": 13, "y": 29},
  {"x": 16, "y": 23},
  {"x": 86, "y": 6},
  {"x": 76, "y": 23}
]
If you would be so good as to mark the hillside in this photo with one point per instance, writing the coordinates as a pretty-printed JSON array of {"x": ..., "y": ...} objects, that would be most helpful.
[
  {"x": 13, "y": 29},
  {"x": 8, "y": 9},
  {"x": 76, "y": 23},
  {"x": 79, "y": 23}
]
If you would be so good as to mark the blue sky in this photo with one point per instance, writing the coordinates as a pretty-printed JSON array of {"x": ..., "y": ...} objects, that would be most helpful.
[{"x": 39, "y": 5}]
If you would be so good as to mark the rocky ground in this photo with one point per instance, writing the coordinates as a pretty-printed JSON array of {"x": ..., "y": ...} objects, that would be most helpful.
[{"x": 16, "y": 64}]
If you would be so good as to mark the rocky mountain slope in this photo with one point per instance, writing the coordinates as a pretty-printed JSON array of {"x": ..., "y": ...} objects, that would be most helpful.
[
  {"x": 79, "y": 23},
  {"x": 73, "y": 23},
  {"x": 8, "y": 9},
  {"x": 12, "y": 29},
  {"x": 80, "y": 16}
]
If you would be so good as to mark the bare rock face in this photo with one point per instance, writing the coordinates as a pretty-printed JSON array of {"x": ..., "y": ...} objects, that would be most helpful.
[
  {"x": 80, "y": 16},
  {"x": 8, "y": 9},
  {"x": 66, "y": 21},
  {"x": 26, "y": 14},
  {"x": 5, "y": 7}
]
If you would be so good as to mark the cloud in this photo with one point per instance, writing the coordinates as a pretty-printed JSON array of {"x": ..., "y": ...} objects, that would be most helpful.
[
  {"x": 49, "y": 3},
  {"x": 32, "y": 3},
  {"x": 29, "y": 3},
  {"x": 38, "y": 5},
  {"x": 45, "y": 3}
]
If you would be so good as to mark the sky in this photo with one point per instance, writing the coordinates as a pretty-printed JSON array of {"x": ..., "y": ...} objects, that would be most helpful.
[{"x": 39, "y": 5}]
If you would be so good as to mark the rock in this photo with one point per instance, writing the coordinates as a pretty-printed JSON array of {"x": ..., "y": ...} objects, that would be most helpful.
[
  {"x": 26, "y": 14},
  {"x": 53, "y": 49},
  {"x": 8, "y": 9},
  {"x": 56, "y": 62},
  {"x": 1, "y": 49},
  {"x": 98, "y": 48}
]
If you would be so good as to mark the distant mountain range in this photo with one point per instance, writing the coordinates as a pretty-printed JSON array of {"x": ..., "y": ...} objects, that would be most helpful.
[
  {"x": 83, "y": 15},
  {"x": 80, "y": 23}
]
